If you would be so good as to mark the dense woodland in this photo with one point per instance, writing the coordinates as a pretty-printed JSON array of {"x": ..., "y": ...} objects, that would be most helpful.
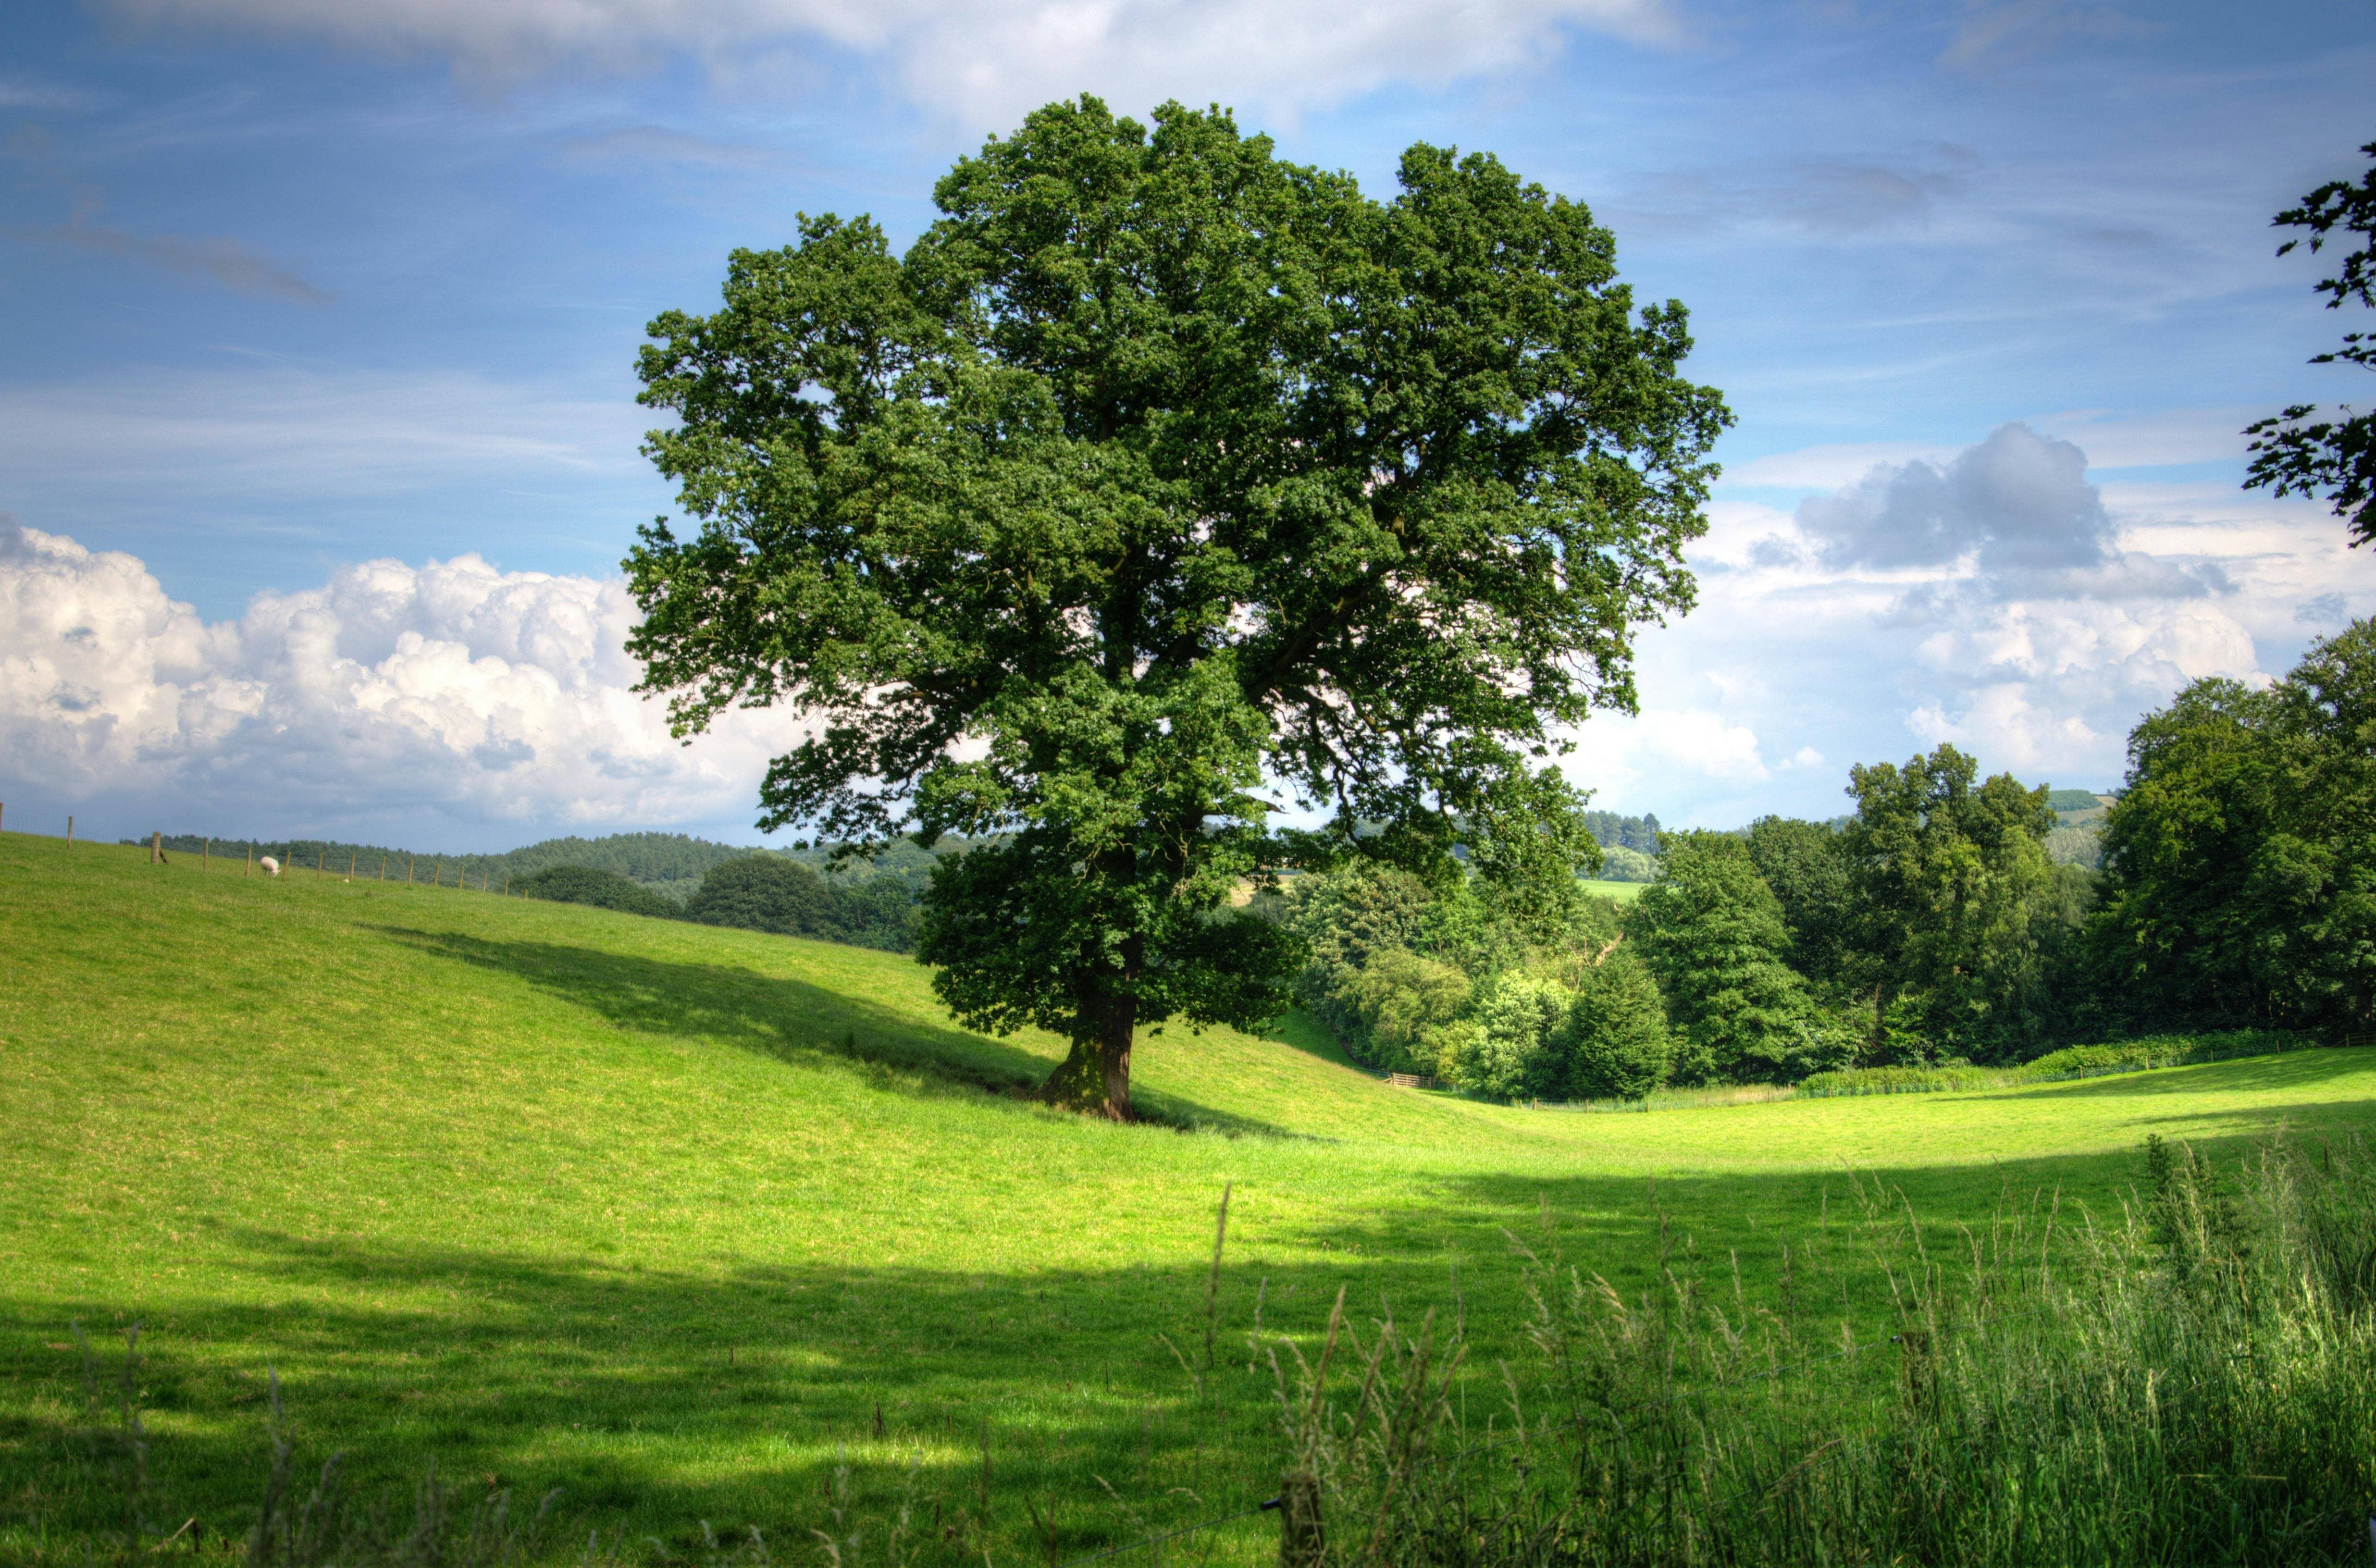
[{"x": 1949, "y": 918}]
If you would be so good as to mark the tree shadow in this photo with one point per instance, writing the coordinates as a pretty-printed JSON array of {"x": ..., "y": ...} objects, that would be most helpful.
[
  {"x": 730, "y": 1390},
  {"x": 788, "y": 1019}
]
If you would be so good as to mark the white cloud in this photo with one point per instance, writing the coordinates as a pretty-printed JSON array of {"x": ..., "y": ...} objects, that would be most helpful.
[
  {"x": 478, "y": 694},
  {"x": 1826, "y": 467},
  {"x": 1990, "y": 597},
  {"x": 1617, "y": 755},
  {"x": 985, "y": 62}
]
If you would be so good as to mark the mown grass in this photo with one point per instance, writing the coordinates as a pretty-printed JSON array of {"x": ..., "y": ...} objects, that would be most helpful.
[{"x": 678, "y": 1219}]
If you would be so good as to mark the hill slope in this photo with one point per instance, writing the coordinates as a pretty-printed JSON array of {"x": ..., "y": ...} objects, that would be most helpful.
[{"x": 672, "y": 1217}]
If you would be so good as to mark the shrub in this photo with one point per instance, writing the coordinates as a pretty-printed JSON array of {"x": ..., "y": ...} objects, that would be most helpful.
[
  {"x": 1616, "y": 1043},
  {"x": 603, "y": 889},
  {"x": 1513, "y": 1051},
  {"x": 764, "y": 893},
  {"x": 2161, "y": 1050},
  {"x": 1400, "y": 1001},
  {"x": 1898, "y": 1080}
]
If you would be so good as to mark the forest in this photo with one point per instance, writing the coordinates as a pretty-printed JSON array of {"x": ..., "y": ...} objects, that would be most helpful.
[{"x": 1948, "y": 919}]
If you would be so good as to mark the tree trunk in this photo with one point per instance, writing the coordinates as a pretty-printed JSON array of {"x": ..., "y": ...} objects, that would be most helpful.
[{"x": 1095, "y": 1076}]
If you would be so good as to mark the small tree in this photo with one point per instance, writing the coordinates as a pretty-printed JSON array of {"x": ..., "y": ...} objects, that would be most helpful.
[
  {"x": 1157, "y": 478},
  {"x": 1617, "y": 1044},
  {"x": 1510, "y": 1049},
  {"x": 1954, "y": 888},
  {"x": 1711, "y": 930}
]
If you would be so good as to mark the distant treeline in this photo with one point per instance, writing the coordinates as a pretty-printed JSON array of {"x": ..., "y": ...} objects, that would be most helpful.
[
  {"x": 1639, "y": 833},
  {"x": 803, "y": 891}
]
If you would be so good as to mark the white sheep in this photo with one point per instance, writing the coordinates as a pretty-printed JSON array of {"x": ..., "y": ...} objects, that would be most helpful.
[{"x": 272, "y": 867}]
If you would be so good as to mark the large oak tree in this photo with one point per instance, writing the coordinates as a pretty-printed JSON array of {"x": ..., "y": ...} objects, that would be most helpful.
[{"x": 1161, "y": 480}]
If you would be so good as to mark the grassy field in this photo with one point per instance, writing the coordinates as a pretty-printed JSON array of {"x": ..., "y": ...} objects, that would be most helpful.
[{"x": 678, "y": 1219}]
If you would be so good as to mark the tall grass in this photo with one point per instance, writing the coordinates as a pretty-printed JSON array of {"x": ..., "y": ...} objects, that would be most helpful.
[
  {"x": 2193, "y": 1384},
  {"x": 2147, "y": 1053}
]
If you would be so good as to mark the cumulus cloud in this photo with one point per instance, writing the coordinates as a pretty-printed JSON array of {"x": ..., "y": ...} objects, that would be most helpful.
[
  {"x": 2017, "y": 499},
  {"x": 2017, "y": 509},
  {"x": 986, "y": 61},
  {"x": 1992, "y": 596},
  {"x": 452, "y": 687}
]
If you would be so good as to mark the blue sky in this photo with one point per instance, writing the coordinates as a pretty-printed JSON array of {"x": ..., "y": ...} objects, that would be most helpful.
[{"x": 317, "y": 434}]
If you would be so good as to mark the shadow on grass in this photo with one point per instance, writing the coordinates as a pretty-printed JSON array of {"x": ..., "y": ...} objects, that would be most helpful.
[
  {"x": 655, "y": 1397},
  {"x": 786, "y": 1018}
]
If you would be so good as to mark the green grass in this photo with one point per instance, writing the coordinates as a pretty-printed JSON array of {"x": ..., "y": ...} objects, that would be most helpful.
[
  {"x": 1623, "y": 892},
  {"x": 676, "y": 1219}
]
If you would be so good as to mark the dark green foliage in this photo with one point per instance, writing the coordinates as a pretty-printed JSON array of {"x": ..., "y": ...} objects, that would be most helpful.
[
  {"x": 2241, "y": 863},
  {"x": 2297, "y": 453},
  {"x": 764, "y": 893},
  {"x": 1343, "y": 921},
  {"x": 1711, "y": 930},
  {"x": 2072, "y": 801},
  {"x": 1956, "y": 905},
  {"x": 603, "y": 889},
  {"x": 1617, "y": 1046},
  {"x": 1639, "y": 833},
  {"x": 1156, "y": 471},
  {"x": 1807, "y": 865}
]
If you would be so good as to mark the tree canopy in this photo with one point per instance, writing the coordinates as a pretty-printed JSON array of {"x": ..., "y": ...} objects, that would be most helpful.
[
  {"x": 2241, "y": 862},
  {"x": 2298, "y": 452},
  {"x": 1159, "y": 478}
]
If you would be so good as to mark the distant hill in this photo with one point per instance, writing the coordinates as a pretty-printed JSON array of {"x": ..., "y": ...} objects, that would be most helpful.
[{"x": 670, "y": 864}]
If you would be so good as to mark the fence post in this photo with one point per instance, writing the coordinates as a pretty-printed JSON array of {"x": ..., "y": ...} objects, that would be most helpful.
[
  {"x": 350, "y": 866},
  {"x": 1301, "y": 1541},
  {"x": 251, "y": 860},
  {"x": 407, "y": 871},
  {"x": 69, "y": 830},
  {"x": 155, "y": 839},
  {"x": 206, "y": 851}
]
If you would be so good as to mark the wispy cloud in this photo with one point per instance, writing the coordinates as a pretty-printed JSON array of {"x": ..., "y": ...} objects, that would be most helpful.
[
  {"x": 280, "y": 429},
  {"x": 984, "y": 61},
  {"x": 235, "y": 266},
  {"x": 2009, "y": 31},
  {"x": 657, "y": 145}
]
